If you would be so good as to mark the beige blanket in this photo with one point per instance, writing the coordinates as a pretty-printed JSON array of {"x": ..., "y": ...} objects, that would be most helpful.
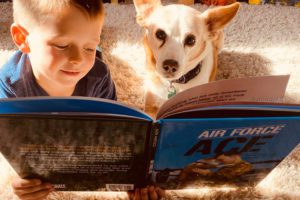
[{"x": 262, "y": 40}]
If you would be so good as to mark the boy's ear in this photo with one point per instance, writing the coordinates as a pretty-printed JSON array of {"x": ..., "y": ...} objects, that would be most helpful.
[
  {"x": 19, "y": 36},
  {"x": 144, "y": 8},
  {"x": 217, "y": 18}
]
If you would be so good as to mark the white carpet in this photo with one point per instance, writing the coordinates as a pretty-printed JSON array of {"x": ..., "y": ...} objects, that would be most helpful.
[{"x": 262, "y": 40}]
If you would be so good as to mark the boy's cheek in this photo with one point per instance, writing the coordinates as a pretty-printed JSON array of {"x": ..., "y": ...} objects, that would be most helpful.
[
  {"x": 56, "y": 55},
  {"x": 47, "y": 59},
  {"x": 91, "y": 63}
]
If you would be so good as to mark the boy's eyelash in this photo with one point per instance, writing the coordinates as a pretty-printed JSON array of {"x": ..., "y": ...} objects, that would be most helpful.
[
  {"x": 61, "y": 46},
  {"x": 90, "y": 49}
]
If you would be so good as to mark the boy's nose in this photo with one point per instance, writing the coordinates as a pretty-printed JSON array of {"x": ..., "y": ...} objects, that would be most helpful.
[{"x": 75, "y": 57}]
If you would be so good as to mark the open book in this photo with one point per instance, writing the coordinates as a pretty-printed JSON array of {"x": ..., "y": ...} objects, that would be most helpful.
[{"x": 224, "y": 132}]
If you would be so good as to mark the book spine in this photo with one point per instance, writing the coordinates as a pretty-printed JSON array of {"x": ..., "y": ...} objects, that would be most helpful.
[{"x": 155, "y": 130}]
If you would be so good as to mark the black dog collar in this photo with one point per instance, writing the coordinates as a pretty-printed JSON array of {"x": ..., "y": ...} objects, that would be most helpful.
[
  {"x": 183, "y": 80},
  {"x": 189, "y": 75}
]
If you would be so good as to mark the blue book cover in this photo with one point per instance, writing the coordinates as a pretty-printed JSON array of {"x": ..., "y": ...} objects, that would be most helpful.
[{"x": 215, "y": 151}]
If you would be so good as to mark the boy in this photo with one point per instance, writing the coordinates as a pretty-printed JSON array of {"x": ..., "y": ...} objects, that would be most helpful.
[{"x": 57, "y": 41}]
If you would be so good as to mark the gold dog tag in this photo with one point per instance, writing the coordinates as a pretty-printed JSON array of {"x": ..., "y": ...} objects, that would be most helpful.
[{"x": 171, "y": 91}]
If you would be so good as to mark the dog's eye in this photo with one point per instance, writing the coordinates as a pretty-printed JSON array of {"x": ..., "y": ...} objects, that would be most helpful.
[
  {"x": 160, "y": 34},
  {"x": 190, "y": 40}
]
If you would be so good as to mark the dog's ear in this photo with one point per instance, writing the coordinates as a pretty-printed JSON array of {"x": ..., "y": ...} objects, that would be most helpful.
[
  {"x": 144, "y": 8},
  {"x": 217, "y": 18}
]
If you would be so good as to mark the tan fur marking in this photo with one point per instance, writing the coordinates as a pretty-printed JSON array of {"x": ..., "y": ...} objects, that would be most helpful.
[
  {"x": 201, "y": 49},
  {"x": 219, "y": 17},
  {"x": 152, "y": 104},
  {"x": 215, "y": 61},
  {"x": 151, "y": 62}
]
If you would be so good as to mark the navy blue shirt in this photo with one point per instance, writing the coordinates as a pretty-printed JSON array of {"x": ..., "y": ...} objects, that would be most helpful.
[{"x": 17, "y": 80}]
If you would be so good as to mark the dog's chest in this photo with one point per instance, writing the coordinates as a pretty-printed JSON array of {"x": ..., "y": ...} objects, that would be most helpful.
[
  {"x": 166, "y": 89},
  {"x": 159, "y": 89}
]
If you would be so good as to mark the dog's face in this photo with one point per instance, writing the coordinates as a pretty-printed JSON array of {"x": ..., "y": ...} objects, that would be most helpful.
[
  {"x": 175, "y": 39},
  {"x": 178, "y": 35}
]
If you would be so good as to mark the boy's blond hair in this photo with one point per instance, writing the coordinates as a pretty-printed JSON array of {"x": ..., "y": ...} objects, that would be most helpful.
[{"x": 37, "y": 11}]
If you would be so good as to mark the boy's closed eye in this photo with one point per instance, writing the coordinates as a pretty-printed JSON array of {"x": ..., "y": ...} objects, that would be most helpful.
[
  {"x": 64, "y": 47},
  {"x": 61, "y": 47},
  {"x": 90, "y": 50}
]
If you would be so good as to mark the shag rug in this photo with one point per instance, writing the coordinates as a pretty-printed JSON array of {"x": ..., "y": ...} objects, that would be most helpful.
[{"x": 261, "y": 40}]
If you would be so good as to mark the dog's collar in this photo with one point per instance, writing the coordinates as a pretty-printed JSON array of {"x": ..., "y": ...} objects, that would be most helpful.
[
  {"x": 189, "y": 75},
  {"x": 184, "y": 79}
]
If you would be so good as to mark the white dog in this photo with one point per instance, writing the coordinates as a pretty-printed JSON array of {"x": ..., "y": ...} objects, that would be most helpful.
[{"x": 181, "y": 46}]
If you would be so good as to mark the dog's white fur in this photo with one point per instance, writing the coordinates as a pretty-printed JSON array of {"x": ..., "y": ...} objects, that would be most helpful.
[{"x": 180, "y": 25}]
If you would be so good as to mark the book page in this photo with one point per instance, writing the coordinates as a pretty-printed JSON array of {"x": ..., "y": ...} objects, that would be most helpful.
[{"x": 252, "y": 89}]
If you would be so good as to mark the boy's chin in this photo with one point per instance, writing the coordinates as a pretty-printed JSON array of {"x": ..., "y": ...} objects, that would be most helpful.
[
  {"x": 67, "y": 83},
  {"x": 71, "y": 78}
]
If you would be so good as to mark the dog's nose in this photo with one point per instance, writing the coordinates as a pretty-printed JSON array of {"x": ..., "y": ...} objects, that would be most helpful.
[{"x": 170, "y": 65}]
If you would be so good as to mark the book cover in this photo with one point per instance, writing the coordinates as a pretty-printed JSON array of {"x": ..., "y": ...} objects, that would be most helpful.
[
  {"x": 218, "y": 133},
  {"x": 222, "y": 151},
  {"x": 77, "y": 152}
]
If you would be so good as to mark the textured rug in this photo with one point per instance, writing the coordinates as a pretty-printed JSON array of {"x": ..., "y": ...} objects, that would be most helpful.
[{"x": 262, "y": 40}]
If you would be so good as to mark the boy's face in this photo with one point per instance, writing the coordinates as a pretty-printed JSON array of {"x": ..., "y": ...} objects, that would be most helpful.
[{"x": 62, "y": 50}]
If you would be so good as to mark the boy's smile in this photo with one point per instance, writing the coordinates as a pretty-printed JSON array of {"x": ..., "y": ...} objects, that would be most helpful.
[
  {"x": 70, "y": 73},
  {"x": 63, "y": 49}
]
